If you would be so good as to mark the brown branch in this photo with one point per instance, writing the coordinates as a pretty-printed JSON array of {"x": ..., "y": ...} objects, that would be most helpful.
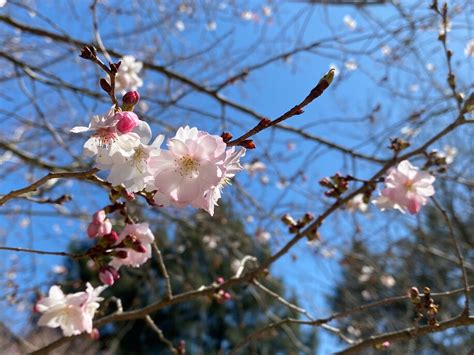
[
  {"x": 317, "y": 91},
  {"x": 164, "y": 272},
  {"x": 409, "y": 333},
  {"x": 42, "y": 252},
  {"x": 162, "y": 338},
  {"x": 34, "y": 186}
]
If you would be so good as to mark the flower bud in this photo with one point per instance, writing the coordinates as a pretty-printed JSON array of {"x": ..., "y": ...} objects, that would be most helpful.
[
  {"x": 226, "y": 136},
  {"x": 288, "y": 220},
  {"x": 95, "y": 334},
  {"x": 127, "y": 121},
  {"x": 220, "y": 280},
  {"x": 121, "y": 254},
  {"x": 108, "y": 275},
  {"x": 139, "y": 247},
  {"x": 130, "y": 99},
  {"x": 111, "y": 238},
  {"x": 248, "y": 143}
]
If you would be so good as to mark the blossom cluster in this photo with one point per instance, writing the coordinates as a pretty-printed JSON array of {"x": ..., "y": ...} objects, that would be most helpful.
[{"x": 192, "y": 170}]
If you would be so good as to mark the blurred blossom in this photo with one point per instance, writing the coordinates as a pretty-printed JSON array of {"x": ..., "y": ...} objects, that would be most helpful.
[
  {"x": 2, "y": 3},
  {"x": 249, "y": 16},
  {"x": 59, "y": 269},
  {"x": 262, "y": 236},
  {"x": 430, "y": 67},
  {"x": 185, "y": 9},
  {"x": 25, "y": 222},
  {"x": 366, "y": 295},
  {"x": 255, "y": 167},
  {"x": 351, "y": 64},
  {"x": 290, "y": 146},
  {"x": 469, "y": 50},
  {"x": 249, "y": 219},
  {"x": 335, "y": 67},
  {"x": 414, "y": 87},
  {"x": 211, "y": 26},
  {"x": 57, "y": 228},
  {"x": 441, "y": 29},
  {"x": 328, "y": 252},
  {"x": 388, "y": 281},
  {"x": 180, "y": 25},
  {"x": 210, "y": 241},
  {"x": 366, "y": 272},
  {"x": 267, "y": 11},
  {"x": 449, "y": 153},
  {"x": 354, "y": 331},
  {"x": 357, "y": 203},
  {"x": 350, "y": 22},
  {"x": 7, "y": 156},
  {"x": 127, "y": 77},
  {"x": 386, "y": 50},
  {"x": 409, "y": 131}
]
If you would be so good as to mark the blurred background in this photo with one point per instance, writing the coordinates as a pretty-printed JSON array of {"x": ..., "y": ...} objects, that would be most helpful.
[{"x": 222, "y": 66}]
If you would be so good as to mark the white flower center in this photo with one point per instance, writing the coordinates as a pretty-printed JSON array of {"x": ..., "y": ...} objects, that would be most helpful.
[
  {"x": 187, "y": 166},
  {"x": 139, "y": 159}
]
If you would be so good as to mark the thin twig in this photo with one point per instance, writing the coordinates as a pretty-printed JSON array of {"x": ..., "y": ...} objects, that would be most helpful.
[
  {"x": 43, "y": 252},
  {"x": 454, "y": 239},
  {"x": 164, "y": 272},
  {"x": 282, "y": 300},
  {"x": 158, "y": 331},
  {"x": 43, "y": 180}
]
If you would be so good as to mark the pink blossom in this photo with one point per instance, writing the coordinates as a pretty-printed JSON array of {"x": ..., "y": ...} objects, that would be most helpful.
[
  {"x": 73, "y": 313},
  {"x": 134, "y": 256},
  {"x": 193, "y": 163},
  {"x": 406, "y": 189},
  {"x": 99, "y": 226},
  {"x": 126, "y": 121}
]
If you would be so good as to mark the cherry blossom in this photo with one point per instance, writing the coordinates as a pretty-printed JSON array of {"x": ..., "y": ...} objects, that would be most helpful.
[
  {"x": 406, "y": 189},
  {"x": 193, "y": 164},
  {"x": 137, "y": 238},
  {"x": 127, "y": 78},
  {"x": 231, "y": 166},
  {"x": 134, "y": 172},
  {"x": 72, "y": 313}
]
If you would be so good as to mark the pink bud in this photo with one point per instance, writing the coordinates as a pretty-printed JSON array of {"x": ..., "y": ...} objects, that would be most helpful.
[
  {"x": 94, "y": 334},
  {"x": 35, "y": 308},
  {"x": 99, "y": 217},
  {"x": 386, "y": 344},
  {"x": 127, "y": 121},
  {"x": 220, "y": 280},
  {"x": 108, "y": 275},
  {"x": 121, "y": 254},
  {"x": 131, "y": 98},
  {"x": 138, "y": 247},
  {"x": 414, "y": 206},
  {"x": 92, "y": 230},
  {"x": 226, "y": 296},
  {"x": 111, "y": 238}
]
